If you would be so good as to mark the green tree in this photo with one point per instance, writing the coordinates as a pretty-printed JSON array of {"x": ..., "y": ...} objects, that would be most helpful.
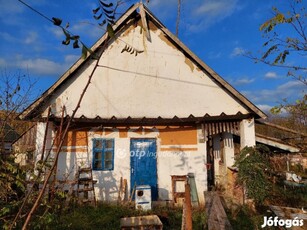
[{"x": 285, "y": 36}]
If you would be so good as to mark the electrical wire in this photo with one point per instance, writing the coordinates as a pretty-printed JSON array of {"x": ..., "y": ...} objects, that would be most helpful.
[{"x": 36, "y": 11}]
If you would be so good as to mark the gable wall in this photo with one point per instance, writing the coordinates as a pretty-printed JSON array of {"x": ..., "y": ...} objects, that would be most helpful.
[{"x": 161, "y": 81}]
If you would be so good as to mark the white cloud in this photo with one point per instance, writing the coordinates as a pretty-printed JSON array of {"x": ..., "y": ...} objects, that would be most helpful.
[
  {"x": 290, "y": 90},
  {"x": 264, "y": 108},
  {"x": 41, "y": 66},
  {"x": 237, "y": 51},
  {"x": 10, "y": 7},
  {"x": 211, "y": 12},
  {"x": 215, "y": 8},
  {"x": 83, "y": 26},
  {"x": 71, "y": 58},
  {"x": 31, "y": 38},
  {"x": 243, "y": 81},
  {"x": 292, "y": 86},
  {"x": 270, "y": 75},
  {"x": 214, "y": 55},
  {"x": 56, "y": 31},
  {"x": 161, "y": 3},
  {"x": 10, "y": 12},
  {"x": 197, "y": 15},
  {"x": 8, "y": 37}
]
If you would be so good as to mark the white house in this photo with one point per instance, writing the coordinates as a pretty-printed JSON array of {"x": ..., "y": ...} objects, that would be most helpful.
[{"x": 152, "y": 110}]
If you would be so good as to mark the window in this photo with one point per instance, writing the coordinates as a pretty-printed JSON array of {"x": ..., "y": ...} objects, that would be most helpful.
[{"x": 103, "y": 154}]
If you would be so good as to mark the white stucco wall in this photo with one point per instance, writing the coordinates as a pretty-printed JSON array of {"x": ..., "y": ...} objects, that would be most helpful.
[
  {"x": 247, "y": 133},
  {"x": 40, "y": 134},
  {"x": 168, "y": 163}
]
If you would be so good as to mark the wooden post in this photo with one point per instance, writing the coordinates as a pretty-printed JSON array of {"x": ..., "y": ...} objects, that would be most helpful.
[
  {"x": 188, "y": 207},
  {"x": 125, "y": 190},
  {"x": 45, "y": 135},
  {"x": 183, "y": 221},
  {"x": 119, "y": 198}
]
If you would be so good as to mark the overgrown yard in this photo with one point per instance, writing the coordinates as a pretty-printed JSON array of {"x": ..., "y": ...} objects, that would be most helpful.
[
  {"x": 107, "y": 216},
  {"x": 54, "y": 212}
]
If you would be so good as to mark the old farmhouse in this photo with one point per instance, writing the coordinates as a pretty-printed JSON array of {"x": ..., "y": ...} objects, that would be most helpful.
[{"x": 142, "y": 107}]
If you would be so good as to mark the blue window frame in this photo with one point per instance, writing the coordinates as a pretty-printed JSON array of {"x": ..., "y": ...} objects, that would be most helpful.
[{"x": 103, "y": 154}]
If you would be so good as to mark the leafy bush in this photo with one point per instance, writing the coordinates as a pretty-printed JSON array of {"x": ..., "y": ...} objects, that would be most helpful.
[
  {"x": 254, "y": 172},
  {"x": 12, "y": 188}
]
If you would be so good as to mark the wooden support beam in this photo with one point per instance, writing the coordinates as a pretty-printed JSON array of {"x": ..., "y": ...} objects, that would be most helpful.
[
  {"x": 144, "y": 22},
  {"x": 281, "y": 128},
  {"x": 45, "y": 135}
]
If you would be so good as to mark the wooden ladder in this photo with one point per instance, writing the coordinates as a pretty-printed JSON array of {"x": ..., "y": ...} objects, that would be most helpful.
[
  {"x": 85, "y": 185},
  {"x": 175, "y": 193}
]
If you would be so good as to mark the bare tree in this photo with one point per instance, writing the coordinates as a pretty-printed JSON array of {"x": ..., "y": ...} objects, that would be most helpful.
[{"x": 16, "y": 92}]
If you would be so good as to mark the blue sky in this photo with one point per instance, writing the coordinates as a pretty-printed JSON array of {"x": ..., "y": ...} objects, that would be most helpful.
[{"x": 217, "y": 31}]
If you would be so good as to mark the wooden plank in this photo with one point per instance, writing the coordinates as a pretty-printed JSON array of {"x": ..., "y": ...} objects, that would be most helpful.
[
  {"x": 210, "y": 129},
  {"x": 144, "y": 21},
  {"x": 228, "y": 127},
  {"x": 204, "y": 131},
  {"x": 217, "y": 218},
  {"x": 188, "y": 208}
]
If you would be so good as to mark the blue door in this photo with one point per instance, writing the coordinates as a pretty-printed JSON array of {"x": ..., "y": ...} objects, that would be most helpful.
[{"x": 143, "y": 164}]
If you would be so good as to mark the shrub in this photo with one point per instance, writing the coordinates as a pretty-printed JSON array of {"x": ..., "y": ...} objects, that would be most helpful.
[{"x": 254, "y": 173}]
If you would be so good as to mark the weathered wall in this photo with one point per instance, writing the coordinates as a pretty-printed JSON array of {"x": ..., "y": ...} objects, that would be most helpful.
[
  {"x": 179, "y": 152},
  {"x": 161, "y": 81},
  {"x": 25, "y": 146}
]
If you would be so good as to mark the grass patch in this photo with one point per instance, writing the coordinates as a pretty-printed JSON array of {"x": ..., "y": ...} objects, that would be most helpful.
[{"x": 107, "y": 216}]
